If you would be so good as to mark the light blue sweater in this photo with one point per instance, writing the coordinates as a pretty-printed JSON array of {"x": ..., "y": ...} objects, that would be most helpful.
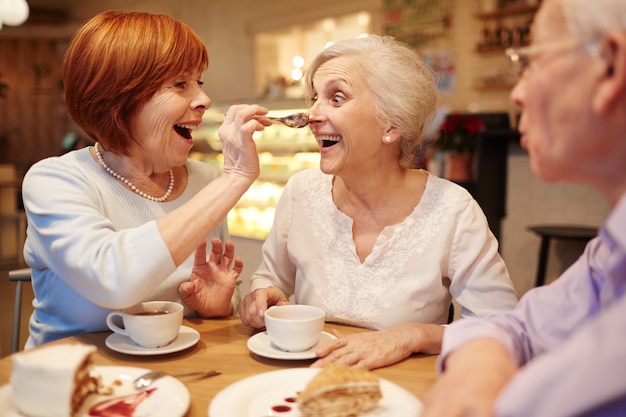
[{"x": 93, "y": 245}]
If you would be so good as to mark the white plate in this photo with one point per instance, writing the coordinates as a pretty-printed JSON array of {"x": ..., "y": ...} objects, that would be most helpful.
[
  {"x": 171, "y": 399},
  {"x": 261, "y": 344},
  {"x": 187, "y": 337},
  {"x": 257, "y": 395}
]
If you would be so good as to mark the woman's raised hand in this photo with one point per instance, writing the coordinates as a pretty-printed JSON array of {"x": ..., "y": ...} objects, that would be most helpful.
[
  {"x": 235, "y": 133},
  {"x": 212, "y": 283}
]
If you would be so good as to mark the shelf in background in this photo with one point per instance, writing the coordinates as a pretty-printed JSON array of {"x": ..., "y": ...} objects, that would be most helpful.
[
  {"x": 496, "y": 50},
  {"x": 507, "y": 11}
]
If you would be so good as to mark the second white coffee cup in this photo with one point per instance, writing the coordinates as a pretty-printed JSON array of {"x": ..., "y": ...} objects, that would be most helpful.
[
  {"x": 151, "y": 324},
  {"x": 294, "y": 327}
]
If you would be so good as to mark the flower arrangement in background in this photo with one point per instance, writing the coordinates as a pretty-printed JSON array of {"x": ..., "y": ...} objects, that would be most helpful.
[{"x": 458, "y": 132}]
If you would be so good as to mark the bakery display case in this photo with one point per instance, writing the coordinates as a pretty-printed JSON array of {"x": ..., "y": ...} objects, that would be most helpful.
[{"x": 283, "y": 151}]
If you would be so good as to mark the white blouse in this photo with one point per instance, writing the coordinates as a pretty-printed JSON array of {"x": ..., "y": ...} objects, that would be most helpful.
[{"x": 443, "y": 249}]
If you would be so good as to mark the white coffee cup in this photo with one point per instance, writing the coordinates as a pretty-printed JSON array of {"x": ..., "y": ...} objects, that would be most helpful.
[
  {"x": 151, "y": 324},
  {"x": 294, "y": 327}
]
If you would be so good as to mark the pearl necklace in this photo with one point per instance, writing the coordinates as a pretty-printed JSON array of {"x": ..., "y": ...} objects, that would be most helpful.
[{"x": 130, "y": 185}]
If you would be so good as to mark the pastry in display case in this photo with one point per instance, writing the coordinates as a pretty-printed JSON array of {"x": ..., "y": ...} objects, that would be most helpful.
[{"x": 283, "y": 151}]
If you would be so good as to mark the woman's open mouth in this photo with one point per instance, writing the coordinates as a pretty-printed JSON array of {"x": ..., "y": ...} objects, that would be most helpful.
[
  {"x": 327, "y": 140},
  {"x": 185, "y": 130}
]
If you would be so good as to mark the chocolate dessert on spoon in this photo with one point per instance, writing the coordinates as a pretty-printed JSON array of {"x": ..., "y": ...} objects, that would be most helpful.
[{"x": 295, "y": 120}]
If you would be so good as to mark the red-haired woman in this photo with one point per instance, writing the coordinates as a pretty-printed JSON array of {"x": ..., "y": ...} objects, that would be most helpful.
[{"x": 118, "y": 223}]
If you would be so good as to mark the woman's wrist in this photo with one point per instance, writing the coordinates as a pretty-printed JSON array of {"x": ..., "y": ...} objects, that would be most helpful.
[{"x": 426, "y": 338}]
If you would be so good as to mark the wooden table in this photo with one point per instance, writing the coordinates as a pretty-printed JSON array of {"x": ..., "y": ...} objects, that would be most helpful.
[{"x": 222, "y": 346}]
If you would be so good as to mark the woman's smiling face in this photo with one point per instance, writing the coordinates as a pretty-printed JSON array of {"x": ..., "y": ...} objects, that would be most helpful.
[
  {"x": 343, "y": 117},
  {"x": 163, "y": 125}
]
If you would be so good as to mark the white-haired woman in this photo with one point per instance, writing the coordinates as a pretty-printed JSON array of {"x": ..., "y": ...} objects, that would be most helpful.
[{"x": 368, "y": 237}]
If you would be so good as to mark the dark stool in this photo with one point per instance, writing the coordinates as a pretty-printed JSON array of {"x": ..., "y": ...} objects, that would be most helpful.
[{"x": 562, "y": 232}]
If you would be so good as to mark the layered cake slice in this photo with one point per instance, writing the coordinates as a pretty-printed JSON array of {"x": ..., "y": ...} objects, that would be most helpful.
[
  {"x": 53, "y": 381},
  {"x": 340, "y": 391}
]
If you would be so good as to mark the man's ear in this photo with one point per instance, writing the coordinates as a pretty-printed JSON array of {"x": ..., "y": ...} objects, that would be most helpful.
[{"x": 612, "y": 82}]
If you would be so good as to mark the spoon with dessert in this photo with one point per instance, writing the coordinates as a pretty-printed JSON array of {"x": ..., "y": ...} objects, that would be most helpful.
[{"x": 295, "y": 120}]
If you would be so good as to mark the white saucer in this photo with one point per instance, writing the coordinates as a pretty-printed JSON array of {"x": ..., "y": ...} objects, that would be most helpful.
[
  {"x": 261, "y": 344},
  {"x": 187, "y": 337}
]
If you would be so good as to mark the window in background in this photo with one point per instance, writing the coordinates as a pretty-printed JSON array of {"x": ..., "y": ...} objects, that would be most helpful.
[{"x": 282, "y": 55}]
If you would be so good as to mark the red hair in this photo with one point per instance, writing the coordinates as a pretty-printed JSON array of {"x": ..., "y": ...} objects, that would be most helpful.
[{"x": 117, "y": 61}]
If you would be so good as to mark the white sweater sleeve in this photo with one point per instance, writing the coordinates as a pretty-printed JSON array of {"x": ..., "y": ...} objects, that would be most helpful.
[
  {"x": 479, "y": 279},
  {"x": 276, "y": 268}
]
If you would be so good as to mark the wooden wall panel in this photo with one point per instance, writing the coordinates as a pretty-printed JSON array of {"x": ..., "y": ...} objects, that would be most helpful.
[{"x": 32, "y": 114}]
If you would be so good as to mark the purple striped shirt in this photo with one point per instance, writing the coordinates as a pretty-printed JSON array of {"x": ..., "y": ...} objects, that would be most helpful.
[{"x": 569, "y": 336}]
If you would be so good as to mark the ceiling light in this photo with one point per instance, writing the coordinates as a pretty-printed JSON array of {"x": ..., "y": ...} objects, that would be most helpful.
[
  {"x": 296, "y": 74},
  {"x": 13, "y": 12},
  {"x": 298, "y": 61}
]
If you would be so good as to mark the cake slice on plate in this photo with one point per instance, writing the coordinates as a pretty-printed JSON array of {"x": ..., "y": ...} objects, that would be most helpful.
[
  {"x": 53, "y": 381},
  {"x": 340, "y": 391}
]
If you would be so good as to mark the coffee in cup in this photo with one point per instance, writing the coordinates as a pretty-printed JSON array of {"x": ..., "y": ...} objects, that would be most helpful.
[
  {"x": 294, "y": 327},
  {"x": 150, "y": 324}
]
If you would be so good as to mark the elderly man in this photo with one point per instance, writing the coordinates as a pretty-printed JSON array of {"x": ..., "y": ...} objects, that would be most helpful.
[{"x": 562, "y": 351}]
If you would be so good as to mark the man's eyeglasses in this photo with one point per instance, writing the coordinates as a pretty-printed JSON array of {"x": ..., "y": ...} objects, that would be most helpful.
[{"x": 520, "y": 58}]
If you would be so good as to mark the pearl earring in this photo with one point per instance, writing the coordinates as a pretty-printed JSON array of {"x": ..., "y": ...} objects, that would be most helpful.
[{"x": 387, "y": 139}]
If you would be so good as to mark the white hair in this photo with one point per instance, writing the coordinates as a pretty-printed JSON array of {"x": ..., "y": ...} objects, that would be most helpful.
[
  {"x": 403, "y": 85},
  {"x": 589, "y": 19}
]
